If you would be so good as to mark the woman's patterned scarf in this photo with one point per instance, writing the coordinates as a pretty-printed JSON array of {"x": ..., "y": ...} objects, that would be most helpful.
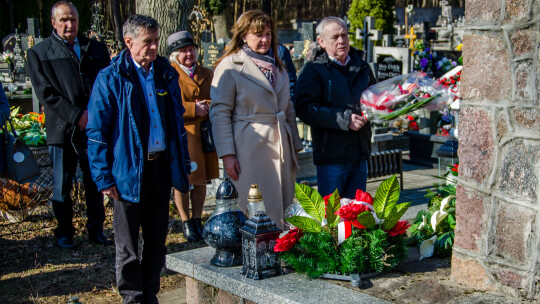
[
  {"x": 266, "y": 63},
  {"x": 190, "y": 71}
]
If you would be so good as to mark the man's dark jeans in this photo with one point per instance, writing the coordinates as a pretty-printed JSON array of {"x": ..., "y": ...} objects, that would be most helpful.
[
  {"x": 64, "y": 160},
  {"x": 138, "y": 277},
  {"x": 347, "y": 178}
]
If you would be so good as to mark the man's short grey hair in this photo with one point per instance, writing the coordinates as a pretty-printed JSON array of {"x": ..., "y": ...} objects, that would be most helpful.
[
  {"x": 329, "y": 20},
  {"x": 136, "y": 22},
  {"x": 59, "y": 3}
]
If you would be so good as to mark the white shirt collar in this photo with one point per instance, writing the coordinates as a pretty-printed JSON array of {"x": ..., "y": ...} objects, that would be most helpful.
[{"x": 339, "y": 62}]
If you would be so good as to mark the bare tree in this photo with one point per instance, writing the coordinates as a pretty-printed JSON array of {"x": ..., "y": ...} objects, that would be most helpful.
[{"x": 172, "y": 16}]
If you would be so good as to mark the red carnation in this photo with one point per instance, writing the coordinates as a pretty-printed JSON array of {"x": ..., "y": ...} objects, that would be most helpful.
[
  {"x": 455, "y": 168},
  {"x": 288, "y": 241},
  {"x": 362, "y": 196},
  {"x": 351, "y": 211},
  {"x": 399, "y": 228}
]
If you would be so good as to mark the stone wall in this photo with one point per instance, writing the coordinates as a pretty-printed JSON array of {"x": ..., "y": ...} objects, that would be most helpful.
[{"x": 498, "y": 202}]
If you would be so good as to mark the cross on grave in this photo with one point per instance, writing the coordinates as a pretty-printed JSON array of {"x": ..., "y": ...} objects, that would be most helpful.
[
  {"x": 369, "y": 34},
  {"x": 411, "y": 37}
]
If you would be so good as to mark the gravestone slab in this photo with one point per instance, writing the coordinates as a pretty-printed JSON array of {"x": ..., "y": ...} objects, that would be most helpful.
[
  {"x": 391, "y": 61},
  {"x": 211, "y": 53},
  {"x": 309, "y": 31},
  {"x": 298, "y": 49}
]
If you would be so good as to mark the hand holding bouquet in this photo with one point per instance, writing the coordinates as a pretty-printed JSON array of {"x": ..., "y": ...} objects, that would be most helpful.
[{"x": 401, "y": 95}]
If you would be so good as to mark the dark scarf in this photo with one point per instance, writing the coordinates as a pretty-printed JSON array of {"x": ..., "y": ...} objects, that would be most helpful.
[{"x": 266, "y": 63}]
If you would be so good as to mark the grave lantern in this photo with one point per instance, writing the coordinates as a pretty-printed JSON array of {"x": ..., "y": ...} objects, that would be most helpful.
[
  {"x": 259, "y": 236},
  {"x": 221, "y": 231}
]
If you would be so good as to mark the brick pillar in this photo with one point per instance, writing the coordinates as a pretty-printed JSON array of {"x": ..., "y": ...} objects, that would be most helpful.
[{"x": 498, "y": 203}]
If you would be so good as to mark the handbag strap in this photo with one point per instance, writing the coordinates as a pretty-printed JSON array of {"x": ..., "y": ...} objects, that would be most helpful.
[{"x": 4, "y": 128}]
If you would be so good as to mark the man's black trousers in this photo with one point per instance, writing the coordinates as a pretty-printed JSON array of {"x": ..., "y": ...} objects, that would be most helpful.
[
  {"x": 138, "y": 276},
  {"x": 64, "y": 159}
]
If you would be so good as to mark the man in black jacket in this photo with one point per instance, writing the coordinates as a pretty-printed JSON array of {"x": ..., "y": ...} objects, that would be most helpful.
[
  {"x": 63, "y": 69},
  {"x": 328, "y": 99}
]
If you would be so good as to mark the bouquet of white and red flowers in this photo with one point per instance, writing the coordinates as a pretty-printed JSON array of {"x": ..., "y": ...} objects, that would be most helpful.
[{"x": 403, "y": 94}]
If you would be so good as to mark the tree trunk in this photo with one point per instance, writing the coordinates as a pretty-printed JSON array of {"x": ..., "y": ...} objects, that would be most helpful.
[
  {"x": 172, "y": 16},
  {"x": 116, "y": 16},
  {"x": 223, "y": 23}
]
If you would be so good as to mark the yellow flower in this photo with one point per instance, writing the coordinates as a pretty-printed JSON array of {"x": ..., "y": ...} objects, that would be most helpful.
[{"x": 459, "y": 47}]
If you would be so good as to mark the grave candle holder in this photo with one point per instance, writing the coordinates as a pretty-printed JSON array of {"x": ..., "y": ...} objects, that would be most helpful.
[
  {"x": 221, "y": 231},
  {"x": 259, "y": 236}
]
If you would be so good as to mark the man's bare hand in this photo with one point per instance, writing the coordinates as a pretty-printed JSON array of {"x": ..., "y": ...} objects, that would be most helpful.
[
  {"x": 111, "y": 192},
  {"x": 357, "y": 122},
  {"x": 83, "y": 121}
]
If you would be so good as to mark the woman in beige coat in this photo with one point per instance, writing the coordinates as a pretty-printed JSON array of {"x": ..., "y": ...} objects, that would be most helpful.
[
  {"x": 194, "y": 83},
  {"x": 253, "y": 118}
]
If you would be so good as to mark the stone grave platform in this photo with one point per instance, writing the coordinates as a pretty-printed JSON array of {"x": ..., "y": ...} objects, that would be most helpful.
[{"x": 206, "y": 283}]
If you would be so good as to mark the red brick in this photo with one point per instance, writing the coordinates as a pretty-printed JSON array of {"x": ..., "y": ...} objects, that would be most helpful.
[
  {"x": 470, "y": 273},
  {"x": 510, "y": 278},
  {"x": 524, "y": 82},
  {"x": 513, "y": 228},
  {"x": 502, "y": 125},
  {"x": 470, "y": 218},
  {"x": 486, "y": 68},
  {"x": 516, "y": 11},
  {"x": 476, "y": 144},
  {"x": 482, "y": 12},
  {"x": 523, "y": 41},
  {"x": 195, "y": 292},
  {"x": 528, "y": 118},
  {"x": 517, "y": 174}
]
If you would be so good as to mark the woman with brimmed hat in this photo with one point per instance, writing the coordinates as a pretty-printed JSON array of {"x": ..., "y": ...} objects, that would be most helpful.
[{"x": 195, "y": 82}]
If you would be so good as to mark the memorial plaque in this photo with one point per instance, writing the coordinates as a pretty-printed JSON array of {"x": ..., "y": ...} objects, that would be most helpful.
[
  {"x": 211, "y": 53},
  {"x": 388, "y": 67}
]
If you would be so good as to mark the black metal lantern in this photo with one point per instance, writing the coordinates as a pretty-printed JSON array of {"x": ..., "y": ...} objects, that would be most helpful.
[
  {"x": 258, "y": 240},
  {"x": 221, "y": 231}
]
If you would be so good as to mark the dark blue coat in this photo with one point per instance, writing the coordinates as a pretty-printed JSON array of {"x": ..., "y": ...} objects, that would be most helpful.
[
  {"x": 4, "y": 114},
  {"x": 115, "y": 148}
]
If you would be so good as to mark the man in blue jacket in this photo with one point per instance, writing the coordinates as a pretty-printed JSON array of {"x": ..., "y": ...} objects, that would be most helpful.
[{"x": 137, "y": 147}]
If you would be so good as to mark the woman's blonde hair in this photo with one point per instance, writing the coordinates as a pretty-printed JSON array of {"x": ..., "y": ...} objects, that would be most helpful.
[{"x": 256, "y": 21}]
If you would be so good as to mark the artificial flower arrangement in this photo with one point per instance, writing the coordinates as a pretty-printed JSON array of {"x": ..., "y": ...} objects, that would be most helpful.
[
  {"x": 346, "y": 236},
  {"x": 433, "y": 229},
  {"x": 422, "y": 57},
  {"x": 29, "y": 127},
  {"x": 7, "y": 57},
  {"x": 397, "y": 96}
]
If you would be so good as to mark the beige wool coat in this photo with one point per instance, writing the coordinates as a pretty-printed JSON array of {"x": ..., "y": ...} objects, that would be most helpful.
[{"x": 257, "y": 123}]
